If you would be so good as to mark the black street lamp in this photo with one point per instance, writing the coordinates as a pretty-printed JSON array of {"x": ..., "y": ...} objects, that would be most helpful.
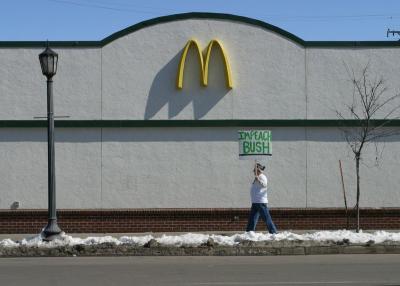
[{"x": 48, "y": 62}]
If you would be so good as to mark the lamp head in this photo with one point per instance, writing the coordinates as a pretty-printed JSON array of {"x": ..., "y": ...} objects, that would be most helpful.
[{"x": 48, "y": 62}]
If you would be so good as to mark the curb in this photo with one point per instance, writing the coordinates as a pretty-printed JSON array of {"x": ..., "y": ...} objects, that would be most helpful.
[{"x": 109, "y": 249}]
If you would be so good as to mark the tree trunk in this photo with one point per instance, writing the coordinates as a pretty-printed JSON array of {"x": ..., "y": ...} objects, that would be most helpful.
[
  {"x": 358, "y": 191},
  {"x": 344, "y": 196}
]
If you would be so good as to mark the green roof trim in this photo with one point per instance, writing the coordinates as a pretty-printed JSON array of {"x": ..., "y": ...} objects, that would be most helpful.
[
  {"x": 198, "y": 15},
  {"x": 195, "y": 123}
]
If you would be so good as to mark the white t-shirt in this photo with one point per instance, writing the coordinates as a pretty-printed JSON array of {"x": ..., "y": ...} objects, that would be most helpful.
[{"x": 258, "y": 191}]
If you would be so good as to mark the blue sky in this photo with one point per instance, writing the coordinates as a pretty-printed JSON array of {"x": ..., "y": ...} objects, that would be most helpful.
[{"x": 28, "y": 20}]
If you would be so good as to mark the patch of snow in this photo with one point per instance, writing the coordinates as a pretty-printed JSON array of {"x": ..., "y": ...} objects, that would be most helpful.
[
  {"x": 138, "y": 240},
  {"x": 8, "y": 243},
  {"x": 196, "y": 239},
  {"x": 189, "y": 239}
]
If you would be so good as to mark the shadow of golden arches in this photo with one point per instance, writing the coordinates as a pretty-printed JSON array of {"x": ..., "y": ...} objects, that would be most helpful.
[{"x": 203, "y": 67}]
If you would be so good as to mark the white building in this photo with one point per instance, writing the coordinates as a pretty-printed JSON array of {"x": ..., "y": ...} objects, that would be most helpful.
[{"x": 133, "y": 140}]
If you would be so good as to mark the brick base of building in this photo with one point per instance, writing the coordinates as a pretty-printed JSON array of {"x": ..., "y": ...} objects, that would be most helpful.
[{"x": 193, "y": 220}]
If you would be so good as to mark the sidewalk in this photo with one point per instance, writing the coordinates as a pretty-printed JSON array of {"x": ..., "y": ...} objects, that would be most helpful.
[
  {"x": 159, "y": 234},
  {"x": 302, "y": 242},
  {"x": 117, "y": 235}
]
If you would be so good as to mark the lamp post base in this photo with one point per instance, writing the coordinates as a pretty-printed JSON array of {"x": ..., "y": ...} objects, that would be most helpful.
[{"x": 51, "y": 231}]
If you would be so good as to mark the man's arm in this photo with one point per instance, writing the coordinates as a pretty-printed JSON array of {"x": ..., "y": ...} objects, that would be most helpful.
[{"x": 263, "y": 180}]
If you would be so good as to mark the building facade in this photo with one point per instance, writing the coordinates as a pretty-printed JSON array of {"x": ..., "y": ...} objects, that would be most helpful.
[{"x": 150, "y": 145}]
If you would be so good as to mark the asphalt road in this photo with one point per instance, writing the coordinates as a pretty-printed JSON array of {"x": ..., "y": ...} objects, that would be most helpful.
[{"x": 148, "y": 271}]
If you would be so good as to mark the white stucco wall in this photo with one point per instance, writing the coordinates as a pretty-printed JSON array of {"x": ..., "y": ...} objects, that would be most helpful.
[
  {"x": 184, "y": 167},
  {"x": 134, "y": 76},
  {"x": 256, "y": 56},
  {"x": 77, "y": 84},
  {"x": 329, "y": 73}
]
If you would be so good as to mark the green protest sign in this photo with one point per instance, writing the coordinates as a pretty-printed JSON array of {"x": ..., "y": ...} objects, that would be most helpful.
[{"x": 254, "y": 144}]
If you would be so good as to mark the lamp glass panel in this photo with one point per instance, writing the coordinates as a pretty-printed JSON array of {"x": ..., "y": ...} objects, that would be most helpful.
[
  {"x": 50, "y": 65},
  {"x": 55, "y": 64},
  {"x": 44, "y": 64}
]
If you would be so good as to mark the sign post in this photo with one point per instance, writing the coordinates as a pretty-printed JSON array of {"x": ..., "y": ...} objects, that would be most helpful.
[{"x": 254, "y": 144}]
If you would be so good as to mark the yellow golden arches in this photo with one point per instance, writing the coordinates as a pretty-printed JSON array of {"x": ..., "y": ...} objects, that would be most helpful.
[
  {"x": 203, "y": 67},
  {"x": 226, "y": 62},
  {"x": 183, "y": 60}
]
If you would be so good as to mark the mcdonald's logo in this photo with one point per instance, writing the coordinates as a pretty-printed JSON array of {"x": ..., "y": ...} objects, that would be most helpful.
[{"x": 204, "y": 63}]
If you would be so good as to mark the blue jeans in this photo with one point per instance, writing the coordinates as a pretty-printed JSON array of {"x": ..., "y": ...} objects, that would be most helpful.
[{"x": 255, "y": 212}]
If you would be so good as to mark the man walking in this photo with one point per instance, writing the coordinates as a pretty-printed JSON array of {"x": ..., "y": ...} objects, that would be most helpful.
[{"x": 259, "y": 201}]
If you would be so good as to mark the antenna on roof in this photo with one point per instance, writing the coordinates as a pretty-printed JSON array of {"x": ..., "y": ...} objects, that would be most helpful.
[{"x": 393, "y": 32}]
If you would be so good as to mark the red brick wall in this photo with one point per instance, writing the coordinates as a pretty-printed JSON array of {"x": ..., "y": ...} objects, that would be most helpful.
[{"x": 184, "y": 220}]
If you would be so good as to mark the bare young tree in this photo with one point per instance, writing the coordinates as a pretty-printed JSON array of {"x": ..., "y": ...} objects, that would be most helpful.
[{"x": 369, "y": 101}]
